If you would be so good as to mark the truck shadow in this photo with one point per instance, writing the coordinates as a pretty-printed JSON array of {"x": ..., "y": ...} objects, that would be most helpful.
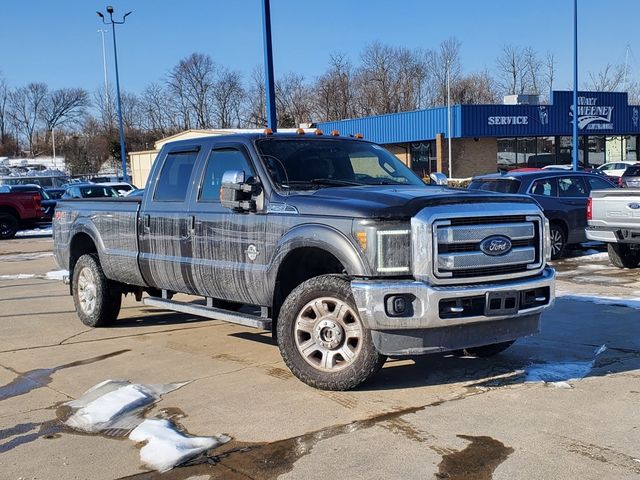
[{"x": 578, "y": 339}]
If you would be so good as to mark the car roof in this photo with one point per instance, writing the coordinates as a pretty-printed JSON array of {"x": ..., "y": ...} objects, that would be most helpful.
[
  {"x": 237, "y": 137},
  {"x": 533, "y": 175}
]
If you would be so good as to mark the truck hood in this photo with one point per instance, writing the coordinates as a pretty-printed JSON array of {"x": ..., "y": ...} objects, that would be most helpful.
[{"x": 389, "y": 201}]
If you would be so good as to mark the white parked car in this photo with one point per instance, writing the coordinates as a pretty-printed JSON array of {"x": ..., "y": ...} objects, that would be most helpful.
[{"x": 615, "y": 169}]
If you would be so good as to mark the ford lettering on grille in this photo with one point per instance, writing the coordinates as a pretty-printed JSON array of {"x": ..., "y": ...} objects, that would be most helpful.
[{"x": 495, "y": 245}]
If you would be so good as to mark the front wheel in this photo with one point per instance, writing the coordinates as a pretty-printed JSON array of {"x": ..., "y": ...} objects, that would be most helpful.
[
  {"x": 97, "y": 299},
  {"x": 623, "y": 256},
  {"x": 488, "y": 350},
  {"x": 322, "y": 338}
]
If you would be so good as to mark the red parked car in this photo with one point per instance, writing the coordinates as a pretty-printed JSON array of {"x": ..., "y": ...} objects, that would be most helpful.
[{"x": 19, "y": 210}]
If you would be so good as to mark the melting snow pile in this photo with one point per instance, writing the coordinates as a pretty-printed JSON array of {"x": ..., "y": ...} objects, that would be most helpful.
[
  {"x": 166, "y": 447},
  {"x": 614, "y": 301},
  {"x": 118, "y": 406},
  {"x": 559, "y": 373},
  {"x": 52, "y": 275},
  {"x": 34, "y": 231}
]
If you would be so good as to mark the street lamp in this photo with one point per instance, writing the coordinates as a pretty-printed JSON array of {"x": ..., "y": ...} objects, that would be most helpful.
[
  {"x": 575, "y": 86},
  {"x": 449, "y": 114},
  {"x": 113, "y": 23}
]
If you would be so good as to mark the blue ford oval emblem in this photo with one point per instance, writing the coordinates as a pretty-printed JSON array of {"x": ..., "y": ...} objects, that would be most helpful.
[
  {"x": 634, "y": 206},
  {"x": 495, "y": 245}
]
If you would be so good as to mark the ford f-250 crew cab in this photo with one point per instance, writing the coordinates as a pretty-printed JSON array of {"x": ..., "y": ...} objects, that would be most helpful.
[
  {"x": 613, "y": 216},
  {"x": 342, "y": 250}
]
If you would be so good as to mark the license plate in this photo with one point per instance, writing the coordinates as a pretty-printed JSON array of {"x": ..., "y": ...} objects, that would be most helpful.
[{"x": 501, "y": 303}]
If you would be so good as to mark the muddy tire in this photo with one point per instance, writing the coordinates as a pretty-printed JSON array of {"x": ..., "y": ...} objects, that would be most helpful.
[
  {"x": 623, "y": 256},
  {"x": 322, "y": 338},
  {"x": 487, "y": 350},
  {"x": 8, "y": 226},
  {"x": 97, "y": 299},
  {"x": 558, "y": 241}
]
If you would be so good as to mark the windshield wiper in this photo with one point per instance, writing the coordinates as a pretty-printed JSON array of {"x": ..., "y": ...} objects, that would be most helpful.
[{"x": 331, "y": 182}]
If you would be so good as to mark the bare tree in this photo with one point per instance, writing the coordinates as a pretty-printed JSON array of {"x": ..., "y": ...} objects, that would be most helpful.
[
  {"x": 4, "y": 113},
  {"x": 158, "y": 110},
  {"x": 228, "y": 95},
  {"x": 511, "y": 68},
  {"x": 534, "y": 69},
  {"x": 255, "y": 107},
  {"x": 64, "y": 106},
  {"x": 293, "y": 101},
  {"x": 609, "y": 79},
  {"x": 475, "y": 88},
  {"x": 191, "y": 82},
  {"x": 375, "y": 80},
  {"x": 549, "y": 76},
  {"x": 447, "y": 57},
  {"x": 334, "y": 91},
  {"x": 26, "y": 106}
]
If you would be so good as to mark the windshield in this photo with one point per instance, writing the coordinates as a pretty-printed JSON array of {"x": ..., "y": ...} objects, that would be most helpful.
[
  {"x": 298, "y": 164},
  {"x": 496, "y": 185}
]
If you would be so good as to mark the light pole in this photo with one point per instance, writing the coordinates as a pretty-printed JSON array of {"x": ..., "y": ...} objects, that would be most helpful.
[
  {"x": 449, "y": 115},
  {"x": 102, "y": 31},
  {"x": 575, "y": 85},
  {"x": 113, "y": 23},
  {"x": 272, "y": 122}
]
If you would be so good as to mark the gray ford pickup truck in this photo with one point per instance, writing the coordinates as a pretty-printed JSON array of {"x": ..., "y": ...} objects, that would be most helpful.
[{"x": 339, "y": 249}]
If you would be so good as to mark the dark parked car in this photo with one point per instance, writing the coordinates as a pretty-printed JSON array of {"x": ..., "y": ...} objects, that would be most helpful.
[
  {"x": 631, "y": 177},
  {"x": 561, "y": 194},
  {"x": 89, "y": 190},
  {"x": 55, "y": 193}
]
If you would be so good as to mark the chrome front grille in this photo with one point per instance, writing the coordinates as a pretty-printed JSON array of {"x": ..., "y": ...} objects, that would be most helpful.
[{"x": 457, "y": 253}]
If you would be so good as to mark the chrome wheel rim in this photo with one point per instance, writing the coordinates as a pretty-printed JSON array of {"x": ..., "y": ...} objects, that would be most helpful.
[
  {"x": 328, "y": 334},
  {"x": 556, "y": 241},
  {"x": 87, "y": 291}
]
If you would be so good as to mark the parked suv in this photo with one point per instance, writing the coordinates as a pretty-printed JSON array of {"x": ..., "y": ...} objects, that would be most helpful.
[
  {"x": 562, "y": 195},
  {"x": 631, "y": 177}
]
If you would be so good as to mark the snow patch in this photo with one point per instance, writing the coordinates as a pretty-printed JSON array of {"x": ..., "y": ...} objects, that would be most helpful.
[
  {"x": 34, "y": 231},
  {"x": 166, "y": 447},
  {"x": 559, "y": 373},
  {"x": 591, "y": 256},
  {"x": 119, "y": 405},
  {"x": 615, "y": 301},
  {"x": 22, "y": 257},
  {"x": 52, "y": 275},
  {"x": 56, "y": 274}
]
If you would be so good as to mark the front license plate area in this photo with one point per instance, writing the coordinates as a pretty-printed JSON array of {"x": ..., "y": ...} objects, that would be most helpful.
[{"x": 501, "y": 303}]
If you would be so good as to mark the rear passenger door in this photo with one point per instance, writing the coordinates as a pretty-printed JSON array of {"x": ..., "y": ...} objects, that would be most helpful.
[
  {"x": 165, "y": 232},
  {"x": 229, "y": 257},
  {"x": 573, "y": 194}
]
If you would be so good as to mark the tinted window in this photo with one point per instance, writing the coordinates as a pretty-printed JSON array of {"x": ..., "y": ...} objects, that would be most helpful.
[
  {"x": 219, "y": 162},
  {"x": 571, "y": 187},
  {"x": 97, "y": 192},
  {"x": 598, "y": 183},
  {"x": 175, "y": 176},
  {"x": 545, "y": 187},
  {"x": 496, "y": 185},
  {"x": 633, "y": 171}
]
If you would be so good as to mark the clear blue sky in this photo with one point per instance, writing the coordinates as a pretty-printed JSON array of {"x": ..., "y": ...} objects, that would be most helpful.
[{"x": 57, "y": 41}]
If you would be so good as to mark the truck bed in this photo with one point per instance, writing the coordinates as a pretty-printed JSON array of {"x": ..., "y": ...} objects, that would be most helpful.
[{"x": 614, "y": 208}]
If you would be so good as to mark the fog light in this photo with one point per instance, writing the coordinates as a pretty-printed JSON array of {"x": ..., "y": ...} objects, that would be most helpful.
[{"x": 399, "y": 305}]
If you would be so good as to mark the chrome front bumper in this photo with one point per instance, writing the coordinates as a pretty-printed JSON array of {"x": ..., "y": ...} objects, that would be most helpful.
[{"x": 371, "y": 295}]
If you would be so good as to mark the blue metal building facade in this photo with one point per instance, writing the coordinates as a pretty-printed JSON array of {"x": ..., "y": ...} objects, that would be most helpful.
[{"x": 599, "y": 113}]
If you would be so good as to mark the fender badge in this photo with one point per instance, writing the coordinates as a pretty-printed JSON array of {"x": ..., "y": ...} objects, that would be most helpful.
[{"x": 252, "y": 252}]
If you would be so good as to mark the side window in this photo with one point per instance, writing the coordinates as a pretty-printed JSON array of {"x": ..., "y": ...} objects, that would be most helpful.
[
  {"x": 220, "y": 161},
  {"x": 545, "y": 187},
  {"x": 595, "y": 183},
  {"x": 571, "y": 187},
  {"x": 606, "y": 167},
  {"x": 173, "y": 182}
]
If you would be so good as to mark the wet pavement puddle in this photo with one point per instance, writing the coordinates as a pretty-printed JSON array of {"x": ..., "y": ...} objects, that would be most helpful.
[{"x": 477, "y": 461}]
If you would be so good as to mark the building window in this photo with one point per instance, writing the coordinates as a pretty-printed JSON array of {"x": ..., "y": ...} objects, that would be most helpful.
[
  {"x": 631, "y": 150},
  {"x": 423, "y": 158},
  {"x": 597, "y": 151},
  {"x": 507, "y": 153},
  {"x": 527, "y": 147}
]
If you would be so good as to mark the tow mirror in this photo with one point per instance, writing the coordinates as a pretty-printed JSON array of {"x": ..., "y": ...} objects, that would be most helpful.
[
  {"x": 235, "y": 193},
  {"x": 438, "y": 178}
]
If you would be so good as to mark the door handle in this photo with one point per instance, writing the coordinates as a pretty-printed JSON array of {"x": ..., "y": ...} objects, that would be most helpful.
[
  {"x": 146, "y": 221},
  {"x": 192, "y": 223}
]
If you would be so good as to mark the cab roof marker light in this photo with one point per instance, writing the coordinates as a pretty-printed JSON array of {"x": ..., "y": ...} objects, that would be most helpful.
[
  {"x": 359, "y": 136},
  {"x": 268, "y": 131},
  {"x": 335, "y": 133},
  {"x": 300, "y": 131},
  {"x": 318, "y": 132}
]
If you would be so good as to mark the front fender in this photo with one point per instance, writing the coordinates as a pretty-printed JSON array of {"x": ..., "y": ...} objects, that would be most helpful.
[{"x": 326, "y": 238}]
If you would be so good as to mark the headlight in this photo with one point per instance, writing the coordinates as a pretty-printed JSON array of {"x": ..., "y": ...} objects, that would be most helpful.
[
  {"x": 386, "y": 246},
  {"x": 547, "y": 240}
]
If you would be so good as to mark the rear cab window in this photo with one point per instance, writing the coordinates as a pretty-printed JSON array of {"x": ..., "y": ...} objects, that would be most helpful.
[
  {"x": 632, "y": 171},
  {"x": 175, "y": 176},
  {"x": 501, "y": 185}
]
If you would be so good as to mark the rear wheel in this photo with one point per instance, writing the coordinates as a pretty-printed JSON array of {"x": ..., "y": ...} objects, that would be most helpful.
[
  {"x": 8, "y": 226},
  {"x": 558, "y": 240},
  {"x": 97, "y": 299},
  {"x": 487, "y": 350},
  {"x": 322, "y": 338},
  {"x": 623, "y": 256}
]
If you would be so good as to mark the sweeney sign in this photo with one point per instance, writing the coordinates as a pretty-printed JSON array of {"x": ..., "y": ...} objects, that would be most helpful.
[{"x": 592, "y": 116}]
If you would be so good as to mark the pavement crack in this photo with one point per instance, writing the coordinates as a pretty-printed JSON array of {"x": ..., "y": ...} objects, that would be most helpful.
[{"x": 62, "y": 342}]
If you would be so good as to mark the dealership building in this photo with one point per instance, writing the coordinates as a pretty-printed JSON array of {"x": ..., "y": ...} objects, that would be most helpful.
[{"x": 519, "y": 133}]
